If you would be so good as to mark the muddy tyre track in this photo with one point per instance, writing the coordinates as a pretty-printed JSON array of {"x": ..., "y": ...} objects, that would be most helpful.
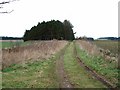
[{"x": 62, "y": 76}]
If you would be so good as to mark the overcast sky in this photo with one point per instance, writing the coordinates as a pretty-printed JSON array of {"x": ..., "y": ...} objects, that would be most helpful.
[{"x": 92, "y": 18}]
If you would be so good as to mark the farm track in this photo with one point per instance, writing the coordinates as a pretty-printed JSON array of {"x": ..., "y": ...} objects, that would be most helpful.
[
  {"x": 63, "y": 79},
  {"x": 92, "y": 72},
  {"x": 62, "y": 76}
]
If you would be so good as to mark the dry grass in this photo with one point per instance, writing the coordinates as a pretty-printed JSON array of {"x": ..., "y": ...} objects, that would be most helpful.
[
  {"x": 108, "y": 44},
  {"x": 88, "y": 47},
  {"x": 39, "y": 50},
  {"x": 93, "y": 49},
  {"x": 108, "y": 68},
  {"x": 0, "y": 69}
]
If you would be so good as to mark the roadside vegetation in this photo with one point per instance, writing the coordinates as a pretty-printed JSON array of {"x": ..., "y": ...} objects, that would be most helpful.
[
  {"x": 77, "y": 74},
  {"x": 104, "y": 67},
  {"x": 35, "y": 51},
  {"x": 42, "y": 61},
  {"x": 1, "y": 80},
  {"x": 111, "y": 45},
  {"x": 35, "y": 73}
]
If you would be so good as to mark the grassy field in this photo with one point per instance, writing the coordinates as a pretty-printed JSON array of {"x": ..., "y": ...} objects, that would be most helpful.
[
  {"x": 107, "y": 44},
  {"x": 35, "y": 74},
  {"x": 0, "y": 80},
  {"x": 11, "y": 43},
  {"x": 77, "y": 74},
  {"x": 41, "y": 72},
  {"x": 34, "y": 51},
  {"x": 97, "y": 63}
]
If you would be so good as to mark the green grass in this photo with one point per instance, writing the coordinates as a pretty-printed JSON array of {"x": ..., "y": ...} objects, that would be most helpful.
[
  {"x": 107, "y": 44},
  {"x": 39, "y": 74},
  {"x": 97, "y": 63},
  {"x": 42, "y": 74},
  {"x": 33, "y": 74},
  {"x": 10, "y": 44},
  {"x": 77, "y": 75},
  {"x": 0, "y": 80}
]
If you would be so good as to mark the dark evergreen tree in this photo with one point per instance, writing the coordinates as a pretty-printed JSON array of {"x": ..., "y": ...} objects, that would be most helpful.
[
  {"x": 50, "y": 30},
  {"x": 68, "y": 30}
]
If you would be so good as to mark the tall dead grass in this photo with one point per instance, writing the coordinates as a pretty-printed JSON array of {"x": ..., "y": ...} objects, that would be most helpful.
[
  {"x": 94, "y": 50},
  {"x": 88, "y": 47},
  {"x": 36, "y": 51}
]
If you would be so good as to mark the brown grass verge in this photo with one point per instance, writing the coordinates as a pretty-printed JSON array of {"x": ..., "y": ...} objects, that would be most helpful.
[
  {"x": 36, "y": 51},
  {"x": 94, "y": 50}
]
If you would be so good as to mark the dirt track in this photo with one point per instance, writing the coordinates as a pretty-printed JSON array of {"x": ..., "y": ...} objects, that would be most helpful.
[
  {"x": 64, "y": 80},
  {"x": 62, "y": 77},
  {"x": 92, "y": 72}
]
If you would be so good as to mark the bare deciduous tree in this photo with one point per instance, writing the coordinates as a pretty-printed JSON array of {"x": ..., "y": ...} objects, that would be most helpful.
[{"x": 3, "y": 2}]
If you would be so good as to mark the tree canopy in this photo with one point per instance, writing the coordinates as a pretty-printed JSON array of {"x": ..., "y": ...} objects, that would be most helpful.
[{"x": 50, "y": 30}]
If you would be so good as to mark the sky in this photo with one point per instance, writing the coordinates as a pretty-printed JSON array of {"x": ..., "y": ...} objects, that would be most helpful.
[{"x": 91, "y": 18}]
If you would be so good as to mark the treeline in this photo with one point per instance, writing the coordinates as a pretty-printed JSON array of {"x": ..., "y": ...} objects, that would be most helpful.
[
  {"x": 50, "y": 30},
  {"x": 109, "y": 38},
  {"x": 11, "y": 38},
  {"x": 84, "y": 38}
]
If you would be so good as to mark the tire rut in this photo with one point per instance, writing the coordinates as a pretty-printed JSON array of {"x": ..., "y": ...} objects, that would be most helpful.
[
  {"x": 62, "y": 76},
  {"x": 92, "y": 72}
]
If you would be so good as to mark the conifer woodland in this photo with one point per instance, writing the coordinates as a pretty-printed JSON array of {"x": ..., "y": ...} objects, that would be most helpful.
[{"x": 50, "y": 30}]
